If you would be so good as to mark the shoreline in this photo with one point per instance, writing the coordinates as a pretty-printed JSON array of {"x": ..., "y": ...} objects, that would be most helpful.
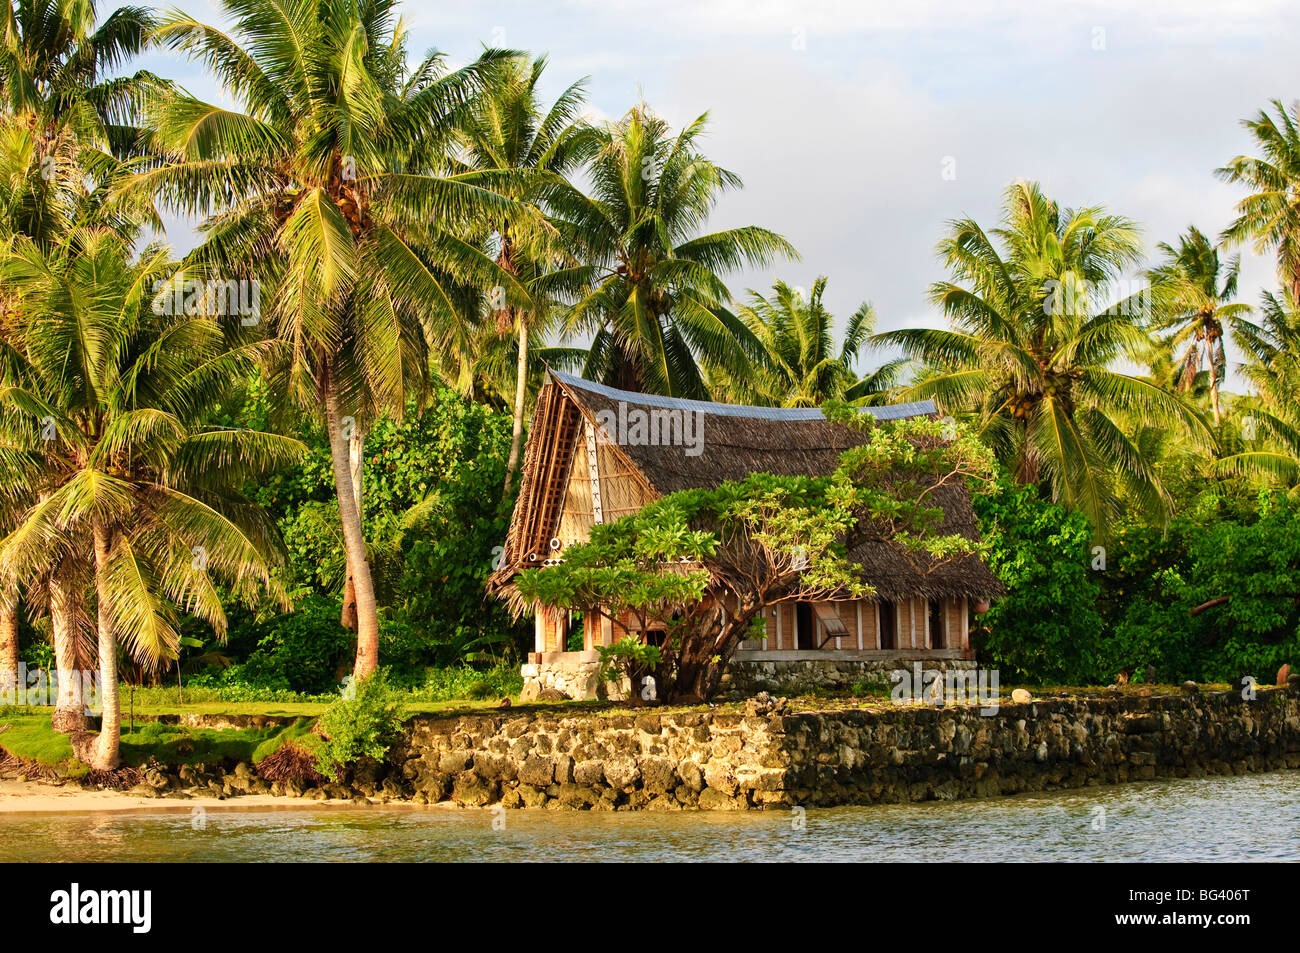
[
  {"x": 764, "y": 757},
  {"x": 43, "y": 797}
]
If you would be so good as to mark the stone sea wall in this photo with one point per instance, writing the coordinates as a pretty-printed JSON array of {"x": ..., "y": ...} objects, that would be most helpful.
[
  {"x": 734, "y": 761},
  {"x": 768, "y": 756}
]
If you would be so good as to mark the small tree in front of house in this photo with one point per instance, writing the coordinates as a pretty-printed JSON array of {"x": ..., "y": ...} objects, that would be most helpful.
[{"x": 707, "y": 563}]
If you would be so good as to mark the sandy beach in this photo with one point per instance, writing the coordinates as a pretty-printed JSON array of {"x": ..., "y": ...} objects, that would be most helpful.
[{"x": 40, "y": 797}]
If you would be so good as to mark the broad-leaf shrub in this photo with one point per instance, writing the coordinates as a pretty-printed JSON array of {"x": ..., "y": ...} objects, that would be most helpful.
[{"x": 362, "y": 726}]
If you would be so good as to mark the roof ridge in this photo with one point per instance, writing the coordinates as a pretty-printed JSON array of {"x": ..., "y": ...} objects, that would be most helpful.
[{"x": 919, "y": 408}]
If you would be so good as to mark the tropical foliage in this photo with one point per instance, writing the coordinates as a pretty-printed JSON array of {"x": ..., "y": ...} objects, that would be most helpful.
[
  {"x": 1040, "y": 316},
  {"x": 652, "y": 295},
  {"x": 292, "y": 453},
  {"x": 797, "y": 363}
]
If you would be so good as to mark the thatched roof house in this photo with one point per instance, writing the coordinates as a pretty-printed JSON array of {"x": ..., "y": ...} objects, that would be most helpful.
[{"x": 573, "y": 477}]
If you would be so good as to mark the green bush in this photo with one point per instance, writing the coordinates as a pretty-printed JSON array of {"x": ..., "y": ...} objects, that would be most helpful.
[
  {"x": 1248, "y": 554},
  {"x": 364, "y": 725},
  {"x": 1047, "y": 628},
  {"x": 434, "y": 518},
  {"x": 306, "y": 650},
  {"x": 464, "y": 681}
]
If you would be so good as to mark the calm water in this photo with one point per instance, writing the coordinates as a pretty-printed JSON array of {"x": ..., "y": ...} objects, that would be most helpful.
[{"x": 1227, "y": 819}]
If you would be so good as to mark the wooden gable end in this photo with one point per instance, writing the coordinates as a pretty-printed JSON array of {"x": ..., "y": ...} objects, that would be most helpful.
[{"x": 573, "y": 478}]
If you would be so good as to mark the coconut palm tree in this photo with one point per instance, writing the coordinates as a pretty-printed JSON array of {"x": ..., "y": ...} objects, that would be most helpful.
[
  {"x": 331, "y": 188},
  {"x": 57, "y": 82},
  {"x": 1196, "y": 291},
  {"x": 1030, "y": 353},
  {"x": 1270, "y": 418},
  {"x": 1270, "y": 216},
  {"x": 798, "y": 364},
  {"x": 66, "y": 121},
  {"x": 511, "y": 128},
  {"x": 114, "y": 400},
  {"x": 652, "y": 298}
]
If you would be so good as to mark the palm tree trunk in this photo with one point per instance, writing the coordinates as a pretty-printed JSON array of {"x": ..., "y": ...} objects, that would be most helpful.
[
  {"x": 1214, "y": 397},
  {"x": 521, "y": 394},
  {"x": 353, "y": 539},
  {"x": 9, "y": 644},
  {"x": 70, "y": 706},
  {"x": 107, "y": 750},
  {"x": 356, "y": 466}
]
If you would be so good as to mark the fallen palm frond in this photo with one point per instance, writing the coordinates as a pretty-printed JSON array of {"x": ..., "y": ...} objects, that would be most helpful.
[{"x": 290, "y": 762}]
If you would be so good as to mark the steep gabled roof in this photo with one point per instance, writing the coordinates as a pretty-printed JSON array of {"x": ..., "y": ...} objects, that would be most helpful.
[{"x": 724, "y": 442}]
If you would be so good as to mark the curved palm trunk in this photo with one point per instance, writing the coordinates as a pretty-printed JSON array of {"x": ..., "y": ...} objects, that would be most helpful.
[
  {"x": 356, "y": 465},
  {"x": 9, "y": 644},
  {"x": 107, "y": 750},
  {"x": 353, "y": 540},
  {"x": 70, "y": 706},
  {"x": 521, "y": 394},
  {"x": 1214, "y": 399}
]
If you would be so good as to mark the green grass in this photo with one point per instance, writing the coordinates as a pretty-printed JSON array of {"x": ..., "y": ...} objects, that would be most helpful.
[
  {"x": 174, "y": 745},
  {"x": 162, "y": 700},
  {"x": 280, "y": 709},
  {"x": 30, "y": 736}
]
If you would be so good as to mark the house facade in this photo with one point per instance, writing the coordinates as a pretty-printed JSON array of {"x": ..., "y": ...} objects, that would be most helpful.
[{"x": 595, "y": 454}]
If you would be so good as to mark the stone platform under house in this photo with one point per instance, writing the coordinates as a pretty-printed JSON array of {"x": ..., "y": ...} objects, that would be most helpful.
[{"x": 595, "y": 454}]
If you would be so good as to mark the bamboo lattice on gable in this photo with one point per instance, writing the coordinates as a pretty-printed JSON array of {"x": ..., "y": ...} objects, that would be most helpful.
[{"x": 558, "y": 421}]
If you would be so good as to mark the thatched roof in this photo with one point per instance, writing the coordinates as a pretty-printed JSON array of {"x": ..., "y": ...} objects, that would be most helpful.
[{"x": 730, "y": 442}]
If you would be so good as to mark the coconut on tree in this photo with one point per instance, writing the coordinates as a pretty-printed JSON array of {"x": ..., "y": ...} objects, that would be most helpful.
[{"x": 1197, "y": 289}]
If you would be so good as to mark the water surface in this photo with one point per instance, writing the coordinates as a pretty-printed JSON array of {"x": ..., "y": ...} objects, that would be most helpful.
[{"x": 1248, "y": 818}]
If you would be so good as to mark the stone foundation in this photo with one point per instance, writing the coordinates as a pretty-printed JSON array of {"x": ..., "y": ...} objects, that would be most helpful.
[
  {"x": 574, "y": 675},
  {"x": 802, "y": 673}
]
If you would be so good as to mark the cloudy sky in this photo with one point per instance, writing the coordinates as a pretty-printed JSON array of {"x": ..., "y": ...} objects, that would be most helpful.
[{"x": 842, "y": 115}]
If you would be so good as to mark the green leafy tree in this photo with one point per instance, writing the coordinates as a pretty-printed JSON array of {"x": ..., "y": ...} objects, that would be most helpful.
[
  {"x": 1212, "y": 597},
  {"x": 1046, "y": 629}
]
